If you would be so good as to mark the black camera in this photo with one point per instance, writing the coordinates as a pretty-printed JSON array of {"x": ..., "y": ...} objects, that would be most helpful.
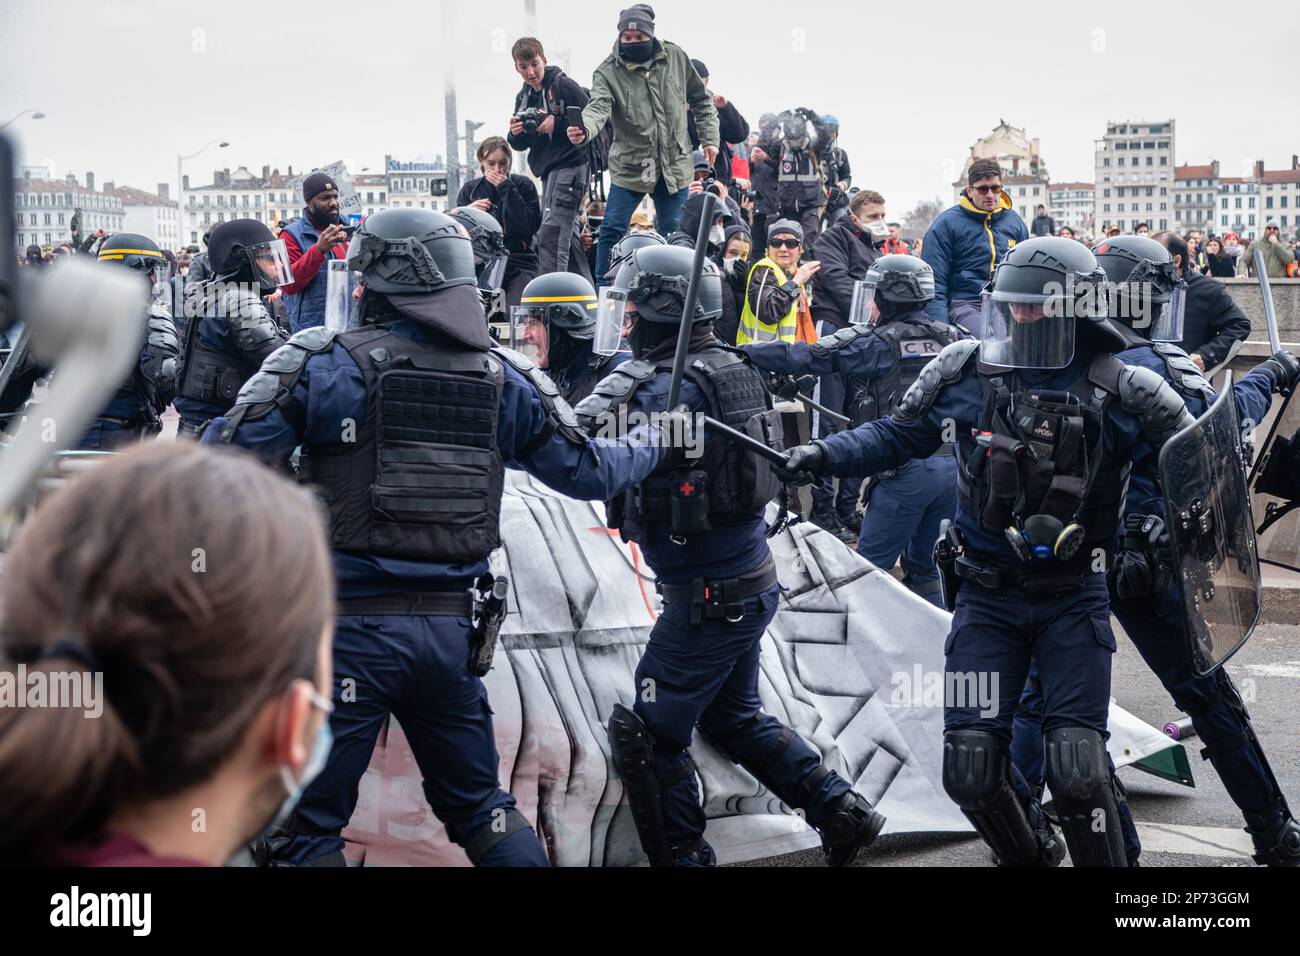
[{"x": 532, "y": 118}]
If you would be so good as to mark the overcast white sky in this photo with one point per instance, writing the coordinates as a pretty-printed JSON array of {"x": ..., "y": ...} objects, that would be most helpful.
[{"x": 128, "y": 85}]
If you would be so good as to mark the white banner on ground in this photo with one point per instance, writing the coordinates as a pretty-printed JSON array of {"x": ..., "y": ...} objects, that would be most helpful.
[{"x": 848, "y": 663}]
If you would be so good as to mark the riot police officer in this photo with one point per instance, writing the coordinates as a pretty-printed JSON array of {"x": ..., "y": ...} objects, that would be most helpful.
[
  {"x": 490, "y": 258},
  {"x": 836, "y": 168},
  {"x": 1047, "y": 433},
  {"x": 133, "y": 413},
  {"x": 699, "y": 524},
  {"x": 407, "y": 423},
  {"x": 231, "y": 330},
  {"x": 623, "y": 249},
  {"x": 1146, "y": 293},
  {"x": 880, "y": 358},
  {"x": 553, "y": 325}
]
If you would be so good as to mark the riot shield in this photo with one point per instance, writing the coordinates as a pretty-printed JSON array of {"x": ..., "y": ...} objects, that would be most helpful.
[
  {"x": 1207, "y": 512},
  {"x": 1275, "y": 501}
]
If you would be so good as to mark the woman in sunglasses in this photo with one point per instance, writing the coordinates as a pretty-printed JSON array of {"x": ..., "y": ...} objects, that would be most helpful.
[{"x": 776, "y": 305}]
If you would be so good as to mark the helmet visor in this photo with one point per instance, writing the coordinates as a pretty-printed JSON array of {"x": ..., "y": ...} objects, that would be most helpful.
[
  {"x": 530, "y": 333},
  {"x": 492, "y": 273},
  {"x": 342, "y": 296},
  {"x": 270, "y": 263},
  {"x": 862, "y": 309},
  {"x": 1167, "y": 326},
  {"x": 1022, "y": 330},
  {"x": 610, "y": 335}
]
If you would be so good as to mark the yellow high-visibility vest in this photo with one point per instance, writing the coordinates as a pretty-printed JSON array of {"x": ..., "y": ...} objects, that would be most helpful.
[{"x": 753, "y": 329}]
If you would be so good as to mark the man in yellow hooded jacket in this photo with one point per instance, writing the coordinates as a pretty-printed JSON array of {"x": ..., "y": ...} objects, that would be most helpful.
[{"x": 966, "y": 243}]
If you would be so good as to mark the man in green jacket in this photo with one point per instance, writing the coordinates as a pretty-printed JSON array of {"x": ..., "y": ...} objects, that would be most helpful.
[
  {"x": 1276, "y": 254},
  {"x": 644, "y": 88}
]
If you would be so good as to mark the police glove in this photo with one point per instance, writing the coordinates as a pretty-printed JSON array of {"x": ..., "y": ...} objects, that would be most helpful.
[
  {"x": 679, "y": 440},
  {"x": 1141, "y": 566},
  {"x": 804, "y": 464},
  {"x": 1286, "y": 370}
]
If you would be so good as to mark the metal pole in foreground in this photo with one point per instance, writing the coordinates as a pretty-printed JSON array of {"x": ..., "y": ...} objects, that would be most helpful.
[
  {"x": 1274, "y": 340},
  {"x": 692, "y": 296}
]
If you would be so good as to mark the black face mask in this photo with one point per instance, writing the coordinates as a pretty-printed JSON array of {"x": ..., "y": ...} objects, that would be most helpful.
[{"x": 637, "y": 52}]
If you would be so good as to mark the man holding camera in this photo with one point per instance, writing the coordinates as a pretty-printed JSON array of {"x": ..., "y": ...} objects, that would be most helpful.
[
  {"x": 311, "y": 241},
  {"x": 539, "y": 126}
]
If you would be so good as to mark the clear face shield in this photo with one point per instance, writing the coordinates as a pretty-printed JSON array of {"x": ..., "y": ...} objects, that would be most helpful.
[
  {"x": 862, "y": 308},
  {"x": 1160, "y": 321},
  {"x": 342, "y": 297},
  {"x": 612, "y": 322},
  {"x": 530, "y": 333},
  {"x": 270, "y": 263},
  {"x": 1022, "y": 330},
  {"x": 492, "y": 273}
]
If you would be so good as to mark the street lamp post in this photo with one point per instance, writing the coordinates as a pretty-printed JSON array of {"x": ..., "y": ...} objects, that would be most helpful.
[
  {"x": 180, "y": 208},
  {"x": 36, "y": 114}
]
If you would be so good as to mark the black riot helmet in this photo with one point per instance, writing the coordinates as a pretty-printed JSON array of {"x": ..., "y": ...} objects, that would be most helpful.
[
  {"x": 656, "y": 277},
  {"x": 489, "y": 243},
  {"x": 136, "y": 252},
  {"x": 623, "y": 249},
  {"x": 556, "y": 312},
  {"x": 903, "y": 279},
  {"x": 897, "y": 284},
  {"x": 243, "y": 250},
  {"x": 404, "y": 251},
  {"x": 1039, "y": 291},
  {"x": 1145, "y": 289}
]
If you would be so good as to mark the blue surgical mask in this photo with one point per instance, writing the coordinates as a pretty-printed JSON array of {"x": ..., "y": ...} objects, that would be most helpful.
[{"x": 320, "y": 751}]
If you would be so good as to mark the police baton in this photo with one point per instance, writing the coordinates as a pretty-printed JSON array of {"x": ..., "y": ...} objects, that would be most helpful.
[
  {"x": 727, "y": 433},
  {"x": 789, "y": 389},
  {"x": 692, "y": 296}
]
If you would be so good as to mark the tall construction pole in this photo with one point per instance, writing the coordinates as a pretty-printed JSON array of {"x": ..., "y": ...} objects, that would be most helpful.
[{"x": 452, "y": 126}]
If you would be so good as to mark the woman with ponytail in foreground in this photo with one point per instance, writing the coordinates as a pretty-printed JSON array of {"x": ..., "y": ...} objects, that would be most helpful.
[{"x": 189, "y": 594}]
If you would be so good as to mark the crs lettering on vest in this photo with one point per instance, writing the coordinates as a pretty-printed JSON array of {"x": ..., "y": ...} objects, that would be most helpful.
[{"x": 920, "y": 347}]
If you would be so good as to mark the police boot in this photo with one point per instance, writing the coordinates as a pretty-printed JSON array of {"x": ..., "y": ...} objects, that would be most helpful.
[
  {"x": 1051, "y": 848},
  {"x": 827, "y": 520},
  {"x": 852, "y": 522},
  {"x": 1278, "y": 845},
  {"x": 851, "y": 826}
]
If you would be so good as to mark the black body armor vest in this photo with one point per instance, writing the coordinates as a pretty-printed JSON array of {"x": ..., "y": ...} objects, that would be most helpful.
[
  {"x": 1040, "y": 463},
  {"x": 914, "y": 345},
  {"x": 726, "y": 484},
  {"x": 424, "y": 478}
]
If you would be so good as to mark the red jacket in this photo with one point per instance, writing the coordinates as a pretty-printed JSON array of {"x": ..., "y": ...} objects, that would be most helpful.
[
  {"x": 311, "y": 260},
  {"x": 894, "y": 247}
]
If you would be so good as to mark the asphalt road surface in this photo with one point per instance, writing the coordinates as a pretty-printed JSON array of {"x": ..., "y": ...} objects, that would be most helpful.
[{"x": 1179, "y": 826}]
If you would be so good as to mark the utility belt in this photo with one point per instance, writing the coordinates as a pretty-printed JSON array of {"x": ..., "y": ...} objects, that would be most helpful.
[
  {"x": 141, "y": 426},
  {"x": 410, "y": 604},
  {"x": 713, "y": 599},
  {"x": 1066, "y": 578},
  {"x": 485, "y": 605},
  {"x": 956, "y": 565}
]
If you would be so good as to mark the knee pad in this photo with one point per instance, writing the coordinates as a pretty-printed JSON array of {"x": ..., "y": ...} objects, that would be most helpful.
[
  {"x": 1080, "y": 777},
  {"x": 977, "y": 776},
  {"x": 631, "y": 747}
]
